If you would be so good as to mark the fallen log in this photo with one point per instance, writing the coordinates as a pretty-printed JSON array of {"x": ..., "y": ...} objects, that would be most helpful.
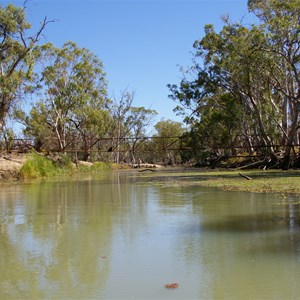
[
  {"x": 245, "y": 176},
  {"x": 147, "y": 166},
  {"x": 147, "y": 170}
]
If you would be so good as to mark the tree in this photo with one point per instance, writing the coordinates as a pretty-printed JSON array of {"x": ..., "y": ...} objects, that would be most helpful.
[
  {"x": 236, "y": 65},
  {"x": 140, "y": 118},
  {"x": 259, "y": 67},
  {"x": 167, "y": 136},
  {"x": 120, "y": 108},
  {"x": 281, "y": 20},
  {"x": 17, "y": 55},
  {"x": 73, "y": 103},
  {"x": 218, "y": 132},
  {"x": 129, "y": 122}
]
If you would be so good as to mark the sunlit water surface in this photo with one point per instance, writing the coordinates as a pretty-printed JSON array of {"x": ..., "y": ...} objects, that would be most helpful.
[{"x": 122, "y": 235}]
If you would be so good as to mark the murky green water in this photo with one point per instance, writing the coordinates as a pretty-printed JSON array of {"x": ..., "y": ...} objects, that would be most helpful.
[{"x": 116, "y": 236}]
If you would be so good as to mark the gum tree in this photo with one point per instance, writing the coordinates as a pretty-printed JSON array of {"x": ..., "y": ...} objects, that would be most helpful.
[
  {"x": 167, "y": 136},
  {"x": 129, "y": 121},
  {"x": 259, "y": 66},
  {"x": 73, "y": 103},
  {"x": 281, "y": 22},
  {"x": 17, "y": 47}
]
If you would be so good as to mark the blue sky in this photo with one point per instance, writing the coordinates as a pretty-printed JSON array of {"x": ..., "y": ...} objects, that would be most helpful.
[{"x": 142, "y": 44}]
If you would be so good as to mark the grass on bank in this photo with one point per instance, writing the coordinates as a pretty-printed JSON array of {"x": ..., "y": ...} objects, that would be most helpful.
[
  {"x": 39, "y": 166},
  {"x": 274, "y": 183},
  {"x": 98, "y": 167},
  {"x": 271, "y": 181}
]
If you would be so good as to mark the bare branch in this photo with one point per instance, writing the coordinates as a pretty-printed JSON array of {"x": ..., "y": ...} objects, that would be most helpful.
[
  {"x": 24, "y": 5},
  {"x": 27, "y": 49}
]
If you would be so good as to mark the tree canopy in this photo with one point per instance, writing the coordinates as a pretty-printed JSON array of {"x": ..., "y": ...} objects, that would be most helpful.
[
  {"x": 17, "y": 55},
  {"x": 250, "y": 73}
]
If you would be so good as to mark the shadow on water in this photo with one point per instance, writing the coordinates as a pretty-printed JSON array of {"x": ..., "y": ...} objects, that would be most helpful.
[
  {"x": 272, "y": 234},
  {"x": 252, "y": 223}
]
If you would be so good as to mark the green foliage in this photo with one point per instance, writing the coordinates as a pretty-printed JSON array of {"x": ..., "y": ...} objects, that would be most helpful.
[
  {"x": 258, "y": 66},
  {"x": 101, "y": 166},
  {"x": 220, "y": 122},
  {"x": 17, "y": 56},
  {"x": 39, "y": 166},
  {"x": 8, "y": 137},
  {"x": 73, "y": 101},
  {"x": 167, "y": 138},
  {"x": 128, "y": 121},
  {"x": 168, "y": 128}
]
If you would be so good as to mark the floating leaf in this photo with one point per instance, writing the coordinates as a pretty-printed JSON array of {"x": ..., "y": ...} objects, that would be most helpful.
[{"x": 173, "y": 285}]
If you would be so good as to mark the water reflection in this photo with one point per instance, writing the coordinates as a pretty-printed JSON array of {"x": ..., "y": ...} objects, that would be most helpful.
[{"x": 117, "y": 236}]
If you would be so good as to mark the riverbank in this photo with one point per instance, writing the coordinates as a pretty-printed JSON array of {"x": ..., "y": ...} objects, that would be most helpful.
[
  {"x": 270, "y": 181},
  {"x": 259, "y": 181},
  {"x": 10, "y": 166},
  {"x": 16, "y": 166}
]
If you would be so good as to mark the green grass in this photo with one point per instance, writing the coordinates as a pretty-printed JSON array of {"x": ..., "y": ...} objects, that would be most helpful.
[
  {"x": 262, "y": 181},
  {"x": 94, "y": 168},
  {"x": 101, "y": 166},
  {"x": 273, "y": 181},
  {"x": 262, "y": 185},
  {"x": 39, "y": 166}
]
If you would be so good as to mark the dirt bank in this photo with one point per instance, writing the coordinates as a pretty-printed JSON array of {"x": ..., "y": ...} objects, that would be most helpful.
[{"x": 10, "y": 165}]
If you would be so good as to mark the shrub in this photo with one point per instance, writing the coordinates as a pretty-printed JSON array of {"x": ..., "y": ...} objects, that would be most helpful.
[{"x": 39, "y": 166}]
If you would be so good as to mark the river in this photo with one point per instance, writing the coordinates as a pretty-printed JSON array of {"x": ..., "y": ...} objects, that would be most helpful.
[{"x": 125, "y": 235}]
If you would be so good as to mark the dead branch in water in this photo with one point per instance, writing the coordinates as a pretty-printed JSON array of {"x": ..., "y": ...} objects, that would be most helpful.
[
  {"x": 245, "y": 176},
  {"x": 148, "y": 170}
]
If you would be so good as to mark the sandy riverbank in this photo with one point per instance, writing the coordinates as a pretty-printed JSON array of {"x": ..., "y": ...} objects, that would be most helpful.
[{"x": 10, "y": 165}]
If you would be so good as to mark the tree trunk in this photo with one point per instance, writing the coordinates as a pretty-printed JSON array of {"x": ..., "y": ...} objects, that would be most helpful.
[
  {"x": 284, "y": 121},
  {"x": 266, "y": 139},
  {"x": 1, "y": 124},
  {"x": 292, "y": 135},
  {"x": 4, "y": 107},
  {"x": 248, "y": 139}
]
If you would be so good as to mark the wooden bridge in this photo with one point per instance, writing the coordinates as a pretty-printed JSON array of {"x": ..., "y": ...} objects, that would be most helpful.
[{"x": 124, "y": 144}]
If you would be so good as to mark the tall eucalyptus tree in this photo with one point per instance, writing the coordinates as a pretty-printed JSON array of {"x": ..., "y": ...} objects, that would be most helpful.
[
  {"x": 259, "y": 66},
  {"x": 281, "y": 20},
  {"x": 17, "y": 55},
  {"x": 129, "y": 122},
  {"x": 73, "y": 102}
]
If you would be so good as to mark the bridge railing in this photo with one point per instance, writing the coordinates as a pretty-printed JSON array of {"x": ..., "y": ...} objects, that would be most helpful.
[
  {"x": 123, "y": 144},
  {"x": 127, "y": 144}
]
